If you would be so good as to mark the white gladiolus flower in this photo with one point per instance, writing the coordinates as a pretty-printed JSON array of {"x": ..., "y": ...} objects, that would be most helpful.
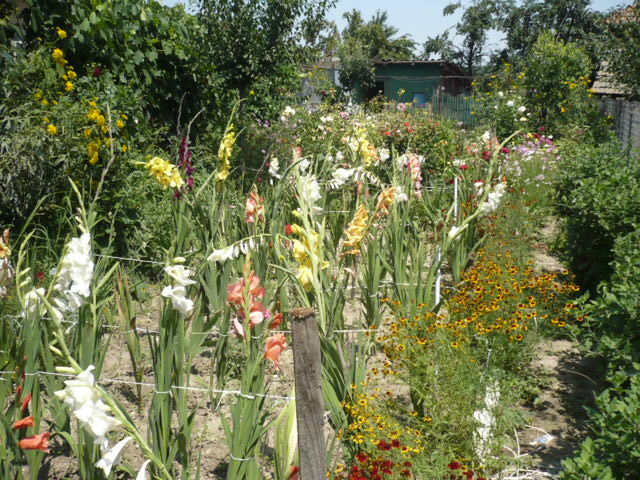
[
  {"x": 310, "y": 190},
  {"x": 32, "y": 303},
  {"x": 274, "y": 168},
  {"x": 510, "y": 103},
  {"x": 142, "y": 474},
  {"x": 486, "y": 420},
  {"x": 75, "y": 273},
  {"x": 455, "y": 231},
  {"x": 222, "y": 255},
  {"x": 486, "y": 136},
  {"x": 340, "y": 177},
  {"x": 180, "y": 275},
  {"x": 400, "y": 195},
  {"x": 493, "y": 199},
  {"x": 304, "y": 165},
  {"x": 179, "y": 300},
  {"x": 384, "y": 154},
  {"x": 339, "y": 157},
  {"x": 478, "y": 187},
  {"x": 112, "y": 456},
  {"x": 80, "y": 396}
]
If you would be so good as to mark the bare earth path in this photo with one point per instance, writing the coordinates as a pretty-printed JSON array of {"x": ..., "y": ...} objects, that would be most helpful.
[{"x": 572, "y": 383}]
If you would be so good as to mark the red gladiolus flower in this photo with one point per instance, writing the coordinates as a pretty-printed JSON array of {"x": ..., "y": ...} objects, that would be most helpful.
[
  {"x": 275, "y": 346},
  {"x": 36, "y": 442},
  {"x": 277, "y": 321},
  {"x": 455, "y": 465},
  {"x": 25, "y": 402},
  {"x": 19, "y": 391},
  {"x": 24, "y": 423},
  {"x": 288, "y": 229},
  {"x": 295, "y": 473}
]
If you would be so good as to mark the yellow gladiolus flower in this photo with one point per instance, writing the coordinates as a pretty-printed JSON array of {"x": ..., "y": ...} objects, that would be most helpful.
[
  {"x": 356, "y": 231},
  {"x": 224, "y": 153},
  {"x": 166, "y": 173}
]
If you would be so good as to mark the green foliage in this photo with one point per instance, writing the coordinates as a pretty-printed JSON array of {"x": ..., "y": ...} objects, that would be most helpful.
[
  {"x": 555, "y": 78},
  {"x": 142, "y": 44},
  {"x": 620, "y": 47},
  {"x": 599, "y": 198},
  {"x": 613, "y": 451},
  {"x": 363, "y": 42},
  {"x": 254, "y": 48}
]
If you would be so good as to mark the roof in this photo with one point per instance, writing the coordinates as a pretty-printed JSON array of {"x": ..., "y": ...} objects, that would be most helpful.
[
  {"x": 605, "y": 84},
  {"x": 449, "y": 65}
]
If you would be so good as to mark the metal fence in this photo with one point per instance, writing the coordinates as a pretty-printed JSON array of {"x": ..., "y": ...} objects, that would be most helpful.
[
  {"x": 626, "y": 116},
  {"x": 456, "y": 107}
]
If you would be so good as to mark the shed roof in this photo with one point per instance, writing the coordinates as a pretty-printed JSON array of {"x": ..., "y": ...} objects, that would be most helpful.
[{"x": 605, "y": 84}]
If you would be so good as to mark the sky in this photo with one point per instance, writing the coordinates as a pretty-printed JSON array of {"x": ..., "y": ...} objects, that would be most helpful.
[{"x": 420, "y": 18}]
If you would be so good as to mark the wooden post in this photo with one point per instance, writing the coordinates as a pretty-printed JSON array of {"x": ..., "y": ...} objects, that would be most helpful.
[{"x": 307, "y": 368}]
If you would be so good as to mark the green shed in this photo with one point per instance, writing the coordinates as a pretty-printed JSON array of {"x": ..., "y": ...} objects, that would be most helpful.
[{"x": 414, "y": 81}]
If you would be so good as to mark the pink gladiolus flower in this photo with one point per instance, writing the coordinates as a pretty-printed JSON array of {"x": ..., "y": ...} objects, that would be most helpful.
[
  {"x": 254, "y": 208},
  {"x": 237, "y": 328},
  {"x": 235, "y": 291}
]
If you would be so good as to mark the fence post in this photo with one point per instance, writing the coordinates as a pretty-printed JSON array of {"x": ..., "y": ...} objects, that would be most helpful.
[{"x": 307, "y": 368}]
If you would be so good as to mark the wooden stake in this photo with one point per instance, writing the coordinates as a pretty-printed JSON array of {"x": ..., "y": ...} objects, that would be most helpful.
[{"x": 307, "y": 369}]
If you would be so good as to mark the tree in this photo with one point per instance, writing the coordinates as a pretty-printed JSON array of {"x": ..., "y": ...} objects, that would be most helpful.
[
  {"x": 477, "y": 19},
  {"x": 569, "y": 20},
  {"x": 259, "y": 45},
  {"x": 622, "y": 44},
  {"x": 363, "y": 42}
]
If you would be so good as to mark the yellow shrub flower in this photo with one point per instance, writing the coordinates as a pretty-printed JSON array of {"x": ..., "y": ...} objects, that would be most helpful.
[
  {"x": 61, "y": 33},
  {"x": 68, "y": 86},
  {"x": 224, "y": 153},
  {"x": 58, "y": 57},
  {"x": 87, "y": 132},
  {"x": 45, "y": 102},
  {"x": 93, "y": 149},
  {"x": 166, "y": 173},
  {"x": 71, "y": 75},
  {"x": 356, "y": 231},
  {"x": 52, "y": 129},
  {"x": 120, "y": 124}
]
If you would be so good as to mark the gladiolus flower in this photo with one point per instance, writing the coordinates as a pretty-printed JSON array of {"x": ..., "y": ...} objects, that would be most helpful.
[
  {"x": 24, "y": 423},
  {"x": 254, "y": 208},
  {"x": 277, "y": 321},
  {"x": 288, "y": 229},
  {"x": 356, "y": 231},
  {"x": 224, "y": 153},
  {"x": 257, "y": 313},
  {"x": 235, "y": 291},
  {"x": 112, "y": 456},
  {"x": 36, "y": 442},
  {"x": 25, "y": 402},
  {"x": 295, "y": 473},
  {"x": 275, "y": 346}
]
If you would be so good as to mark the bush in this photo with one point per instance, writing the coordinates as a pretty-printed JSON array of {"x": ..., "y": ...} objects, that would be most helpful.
[
  {"x": 598, "y": 195},
  {"x": 614, "y": 451}
]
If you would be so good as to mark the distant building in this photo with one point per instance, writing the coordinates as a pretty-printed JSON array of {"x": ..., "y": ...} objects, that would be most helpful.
[
  {"x": 320, "y": 76},
  {"x": 416, "y": 81}
]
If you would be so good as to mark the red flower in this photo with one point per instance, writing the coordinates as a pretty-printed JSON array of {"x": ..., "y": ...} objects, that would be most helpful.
[
  {"x": 36, "y": 442},
  {"x": 362, "y": 457},
  {"x": 395, "y": 444},
  {"x": 277, "y": 321},
  {"x": 455, "y": 465},
  {"x": 464, "y": 166},
  {"x": 384, "y": 445},
  {"x": 288, "y": 229},
  {"x": 25, "y": 402},
  {"x": 505, "y": 150},
  {"x": 40, "y": 276},
  {"x": 24, "y": 423},
  {"x": 406, "y": 124},
  {"x": 405, "y": 473},
  {"x": 97, "y": 72},
  {"x": 407, "y": 464},
  {"x": 469, "y": 474},
  {"x": 275, "y": 346},
  {"x": 295, "y": 473},
  {"x": 486, "y": 155}
]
